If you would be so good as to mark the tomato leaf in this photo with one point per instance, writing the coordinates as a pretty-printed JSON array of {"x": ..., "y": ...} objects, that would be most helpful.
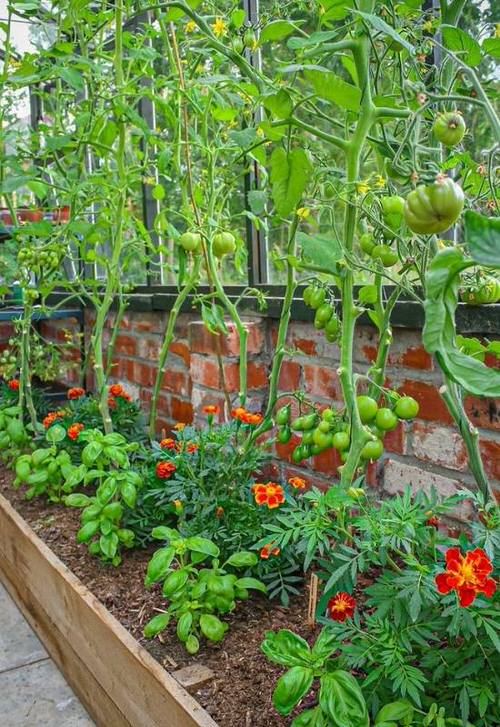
[
  {"x": 483, "y": 238},
  {"x": 379, "y": 24},
  {"x": 462, "y": 44},
  {"x": 330, "y": 87},
  {"x": 290, "y": 174}
]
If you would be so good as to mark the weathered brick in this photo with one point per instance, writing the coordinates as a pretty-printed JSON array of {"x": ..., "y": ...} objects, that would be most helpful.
[
  {"x": 289, "y": 376},
  {"x": 321, "y": 381},
  {"x": 202, "y": 341},
  {"x": 144, "y": 375},
  {"x": 398, "y": 475},
  {"x": 177, "y": 381},
  {"x": 284, "y": 451},
  {"x": 327, "y": 462},
  {"x": 257, "y": 376},
  {"x": 490, "y": 451},
  {"x": 126, "y": 345},
  {"x": 484, "y": 413},
  {"x": 305, "y": 338},
  {"x": 396, "y": 440},
  {"x": 439, "y": 445},
  {"x": 181, "y": 350},
  {"x": 181, "y": 411},
  {"x": 204, "y": 371},
  {"x": 432, "y": 406}
]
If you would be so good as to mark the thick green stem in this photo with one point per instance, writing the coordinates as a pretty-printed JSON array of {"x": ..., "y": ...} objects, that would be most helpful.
[
  {"x": 113, "y": 272},
  {"x": 469, "y": 434},
  {"x": 167, "y": 341},
  {"x": 25, "y": 390}
]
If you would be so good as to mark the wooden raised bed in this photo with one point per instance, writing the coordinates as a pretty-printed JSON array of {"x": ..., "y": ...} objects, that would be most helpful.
[{"x": 120, "y": 684}]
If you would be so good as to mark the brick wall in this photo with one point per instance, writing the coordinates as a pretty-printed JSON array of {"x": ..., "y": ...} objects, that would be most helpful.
[{"x": 426, "y": 452}]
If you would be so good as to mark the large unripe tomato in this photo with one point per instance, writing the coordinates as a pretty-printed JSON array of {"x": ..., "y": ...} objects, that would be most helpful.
[
  {"x": 406, "y": 408},
  {"x": 190, "y": 241},
  {"x": 372, "y": 450},
  {"x": 449, "y": 128},
  {"x": 223, "y": 243},
  {"x": 386, "y": 420},
  {"x": 367, "y": 408},
  {"x": 317, "y": 298},
  {"x": 392, "y": 214},
  {"x": 385, "y": 254},
  {"x": 367, "y": 243},
  {"x": 487, "y": 290},
  {"x": 434, "y": 208}
]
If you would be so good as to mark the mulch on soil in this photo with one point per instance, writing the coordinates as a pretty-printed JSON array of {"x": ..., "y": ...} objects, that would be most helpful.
[{"x": 241, "y": 691}]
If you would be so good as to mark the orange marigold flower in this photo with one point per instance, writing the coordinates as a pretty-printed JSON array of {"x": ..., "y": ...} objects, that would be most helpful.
[
  {"x": 432, "y": 522},
  {"x": 116, "y": 390},
  {"x": 165, "y": 470},
  {"x": 191, "y": 448},
  {"x": 246, "y": 417},
  {"x": 297, "y": 482},
  {"x": 168, "y": 443},
  {"x": 468, "y": 575},
  {"x": 111, "y": 403},
  {"x": 74, "y": 431},
  {"x": 180, "y": 426},
  {"x": 219, "y": 512},
  {"x": 177, "y": 505},
  {"x": 76, "y": 393},
  {"x": 271, "y": 495},
  {"x": 52, "y": 417},
  {"x": 341, "y": 606},
  {"x": 268, "y": 550},
  {"x": 13, "y": 385},
  {"x": 211, "y": 409}
]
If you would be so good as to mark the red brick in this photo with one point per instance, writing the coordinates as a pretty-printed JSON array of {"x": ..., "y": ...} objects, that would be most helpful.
[
  {"x": 370, "y": 353},
  {"x": 414, "y": 358},
  {"x": 126, "y": 345},
  {"x": 202, "y": 341},
  {"x": 327, "y": 462},
  {"x": 432, "y": 406},
  {"x": 289, "y": 376},
  {"x": 147, "y": 323},
  {"x": 181, "y": 349},
  {"x": 177, "y": 381},
  {"x": 257, "y": 377},
  {"x": 483, "y": 413},
  {"x": 123, "y": 369},
  {"x": 395, "y": 441},
  {"x": 144, "y": 375},
  {"x": 181, "y": 411},
  {"x": 439, "y": 445},
  {"x": 205, "y": 371},
  {"x": 490, "y": 452},
  {"x": 321, "y": 381}
]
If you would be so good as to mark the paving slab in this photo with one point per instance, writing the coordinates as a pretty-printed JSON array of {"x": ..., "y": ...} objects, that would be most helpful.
[
  {"x": 38, "y": 696},
  {"x": 18, "y": 644}
]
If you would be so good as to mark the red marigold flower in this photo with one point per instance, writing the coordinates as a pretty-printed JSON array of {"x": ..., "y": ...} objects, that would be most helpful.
[
  {"x": 432, "y": 522},
  {"x": 165, "y": 470},
  {"x": 116, "y": 390},
  {"x": 14, "y": 385},
  {"x": 341, "y": 606},
  {"x": 76, "y": 393},
  {"x": 191, "y": 448},
  {"x": 468, "y": 575},
  {"x": 297, "y": 482},
  {"x": 111, "y": 403},
  {"x": 74, "y": 431},
  {"x": 168, "y": 443},
  {"x": 211, "y": 409},
  {"x": 219, "y": 512},
  {"x": 268, "y": 550},
  {"x": 238, "y": 413},
  {"x": 271, "y": 495}
]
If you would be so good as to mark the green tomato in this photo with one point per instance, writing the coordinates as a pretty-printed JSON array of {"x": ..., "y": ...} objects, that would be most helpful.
[
  {"x": 386, "y": 419},
  {"x": 297, "y": 454},
  {"x": 324, "y": 313},
  {"x": 223, "y": 244},
  {"x": 324, "y": 426},
  {"x": 283, "y": 415},
  {"x": 367, "y": 408},
  {"x": 372, "y": 450},
  {"x": 308, "y": 437},
  {"x": 298, "y": 424},
  {"x": 393, "y": 205},
  {"x": 284, "y": 434},
  {"x": 449, "y": 128},
  {"x": 485, "y": 291},
  {"x": 322, "y": 439},
  {"x": 237, "y": 43},
  {"x": 385, "y": 254},
  {"x": 317, "y": 298},
  {"x": 367, "y": 243},
  {"x": 341, "y": 441},
  {"x": 328, "y": 415},
  {"x": 249, "y": 38},
  {"x": 190, "y": 241},
  {"x": 307, "y": 294},
  {"x": 434, "y": 208},
  {"x": 332, "y": 326},
  {"x": 310, "y": 421},
  {"x": 406, "y": 408}
]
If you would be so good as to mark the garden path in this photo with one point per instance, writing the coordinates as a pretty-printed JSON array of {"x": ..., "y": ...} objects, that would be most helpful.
[{"x": 32, "y": 690}]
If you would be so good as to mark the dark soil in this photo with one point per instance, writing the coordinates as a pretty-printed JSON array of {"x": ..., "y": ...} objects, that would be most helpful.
[{"x": 240, "y": 693}]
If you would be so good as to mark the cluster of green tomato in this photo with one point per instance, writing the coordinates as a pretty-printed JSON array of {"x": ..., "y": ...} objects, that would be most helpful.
[
  {"x": 248, "y": 40},
  {"x": 392, "y": 218},
  {"x": 329, "y": 429},
  {"x": 223, "y": 243},
  {"x": 480, "y": 290},
  {"x": 325, "y": 317},
  {"x": 47, "y": 259}
]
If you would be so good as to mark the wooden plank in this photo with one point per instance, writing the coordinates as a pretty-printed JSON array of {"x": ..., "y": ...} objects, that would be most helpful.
[{"x": 114, "y": 676}]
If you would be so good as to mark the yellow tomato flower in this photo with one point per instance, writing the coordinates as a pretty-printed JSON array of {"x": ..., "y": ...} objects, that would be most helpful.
[
  {"x": 380, "y": 181},
  {"x": 362, "y": 187},
  {"x": 190, "y": 26},
  {"x": 303, "y": 213},
  {"x": 427, "y": 26},
  {"x": 219, "y": 27}
]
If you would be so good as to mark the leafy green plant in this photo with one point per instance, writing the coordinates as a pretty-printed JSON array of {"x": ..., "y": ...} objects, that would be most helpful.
[
  {"x": 46, "y": 471},
  {"x": 197, "y": 596},
  {"x": 13, "y": 435}
]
